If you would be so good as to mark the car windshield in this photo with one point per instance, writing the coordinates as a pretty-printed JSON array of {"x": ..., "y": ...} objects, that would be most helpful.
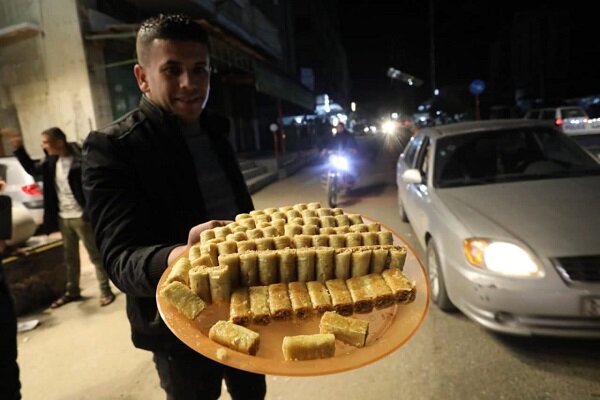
[
  {"x": 507, "y": 156},
  {"x": 572, "y": 113}
]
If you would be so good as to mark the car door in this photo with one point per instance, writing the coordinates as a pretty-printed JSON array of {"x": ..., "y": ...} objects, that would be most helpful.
[{"x": 417, "y": 194}]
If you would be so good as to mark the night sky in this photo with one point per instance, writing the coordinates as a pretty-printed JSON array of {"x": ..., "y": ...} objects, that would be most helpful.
[{"x": 378, "y": 34}]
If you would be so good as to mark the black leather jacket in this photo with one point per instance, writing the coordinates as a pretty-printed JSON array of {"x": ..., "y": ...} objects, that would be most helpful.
[
  {"x": 143, "y": 198},
  {"x": 46, "y": 168}
]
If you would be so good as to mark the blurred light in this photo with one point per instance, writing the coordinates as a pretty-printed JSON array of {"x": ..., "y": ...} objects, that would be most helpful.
[
  {"x": 334, "y": 120},
  {"x": 388, "y": 127},
  {"x": 438, "y": 112},
  {"x": 333, "y": 130},
  {"x": 410, "y": 82},
  {"x": 436, "y": 92},
  {"x": 298, "y": 120},
  {"x": 394, "y": 115},
  {"x": 558, "y": 121},
  {"x": 353, "y": 106},
  {"x": 373, "y": 128},
  {"x": 366, "y": 129},
  {"x": 339, "y": 162}
]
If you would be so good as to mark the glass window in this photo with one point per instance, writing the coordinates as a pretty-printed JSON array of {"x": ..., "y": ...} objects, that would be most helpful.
[
  {"x": 411, "y": 150},
  {"x": 572, "y": 112},
  {"x": 509, "y": 155},
  {"x": 548, "y": 114}
]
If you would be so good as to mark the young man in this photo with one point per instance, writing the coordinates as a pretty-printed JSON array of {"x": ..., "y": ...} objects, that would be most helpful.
[
  {"x": 64, "y": 207},
  {"x": 155, "y": 179}
]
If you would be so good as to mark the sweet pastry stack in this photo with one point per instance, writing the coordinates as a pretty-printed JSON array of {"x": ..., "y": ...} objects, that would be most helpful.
[{"x": 290, "y": 262}]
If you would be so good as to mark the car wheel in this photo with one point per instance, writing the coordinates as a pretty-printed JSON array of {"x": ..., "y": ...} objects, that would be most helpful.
[
  {"x": 437, "y": 284},
  {"x": 401, "y": 211}
]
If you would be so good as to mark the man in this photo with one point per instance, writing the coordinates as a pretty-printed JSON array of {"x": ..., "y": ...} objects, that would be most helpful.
[
  {"x": 63, "y": 207},
  {"x": 155, "y": 179},
  {"x": 9, "y": 370},
  {"x": 343, "y": 140}
]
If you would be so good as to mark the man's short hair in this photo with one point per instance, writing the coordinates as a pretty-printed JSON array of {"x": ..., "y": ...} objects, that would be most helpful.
[
  {"x": 168, "y": 26},
  {"x": 55, "y": 133}
]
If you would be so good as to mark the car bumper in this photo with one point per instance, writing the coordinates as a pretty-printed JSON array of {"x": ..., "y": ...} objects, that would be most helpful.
[{"x": 528, "y": 307}]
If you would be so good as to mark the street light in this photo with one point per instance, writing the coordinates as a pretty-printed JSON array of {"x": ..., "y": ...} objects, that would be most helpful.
[{"x": 403, "y": 77}]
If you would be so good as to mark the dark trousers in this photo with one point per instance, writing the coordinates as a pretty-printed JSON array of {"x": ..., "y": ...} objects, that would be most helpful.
[
  {"x": 5, "y": 217},
  {"x": 9, "y": 370},
  {"x": 187, "y": 375}
]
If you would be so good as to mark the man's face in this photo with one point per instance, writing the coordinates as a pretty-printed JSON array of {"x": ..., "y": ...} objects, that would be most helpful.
[
  {"x": 50, "y": 145},
  {"x": 175, "y": 76},
  {"x": 339, "y": 128}
]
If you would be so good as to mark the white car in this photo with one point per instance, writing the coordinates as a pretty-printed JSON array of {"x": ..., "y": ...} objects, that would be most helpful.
[
  {"x": 571, "y": 120},
  {"x": 507, "y": 211}
]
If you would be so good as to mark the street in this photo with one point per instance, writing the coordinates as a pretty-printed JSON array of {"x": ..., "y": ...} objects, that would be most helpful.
[{"x": 82, "y": 351}]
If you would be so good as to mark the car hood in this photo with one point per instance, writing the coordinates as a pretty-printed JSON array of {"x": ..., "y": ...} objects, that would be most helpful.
[{"x": 555, "y": 217}]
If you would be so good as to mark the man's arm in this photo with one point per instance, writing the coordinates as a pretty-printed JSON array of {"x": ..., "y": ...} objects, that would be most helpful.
[
  {"x": 112, "y": 204},
  {"x": 33, "y": 168}
]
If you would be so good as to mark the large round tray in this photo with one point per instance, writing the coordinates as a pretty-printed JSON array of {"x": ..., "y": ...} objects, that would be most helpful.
[{"x": 389, "y": 329}]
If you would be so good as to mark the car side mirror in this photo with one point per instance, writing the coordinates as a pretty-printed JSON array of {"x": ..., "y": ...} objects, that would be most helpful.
[{"x": 412, "y": 176}]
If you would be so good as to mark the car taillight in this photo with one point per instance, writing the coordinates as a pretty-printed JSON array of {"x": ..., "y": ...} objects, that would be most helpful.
[
  {"x": 32, "y": 190},
  {"x": 558, "y": 121}
]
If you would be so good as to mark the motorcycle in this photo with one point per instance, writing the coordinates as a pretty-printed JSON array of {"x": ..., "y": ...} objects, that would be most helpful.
[{"x": 340, "y": 178}]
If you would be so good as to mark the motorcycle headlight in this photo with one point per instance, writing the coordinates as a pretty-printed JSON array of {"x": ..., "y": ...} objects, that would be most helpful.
[
  {"x": 339, "y": 162},
  {"x": 501, "y": 257}
]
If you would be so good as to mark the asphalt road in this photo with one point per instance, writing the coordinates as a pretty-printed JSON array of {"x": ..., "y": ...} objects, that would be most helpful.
[
  {"x": 82, "y": 351},
  {"x": 450, "y": 357}
]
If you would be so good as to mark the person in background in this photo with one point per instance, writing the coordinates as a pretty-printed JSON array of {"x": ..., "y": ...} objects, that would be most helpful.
[
  {"x": 10, "y": 386},
  {"x": 154, "y": 180},
  {"x": 64, "y": 207}
]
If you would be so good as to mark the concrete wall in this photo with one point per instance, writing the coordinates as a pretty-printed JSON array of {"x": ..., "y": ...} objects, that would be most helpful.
[{"x": 46, "y": 77}]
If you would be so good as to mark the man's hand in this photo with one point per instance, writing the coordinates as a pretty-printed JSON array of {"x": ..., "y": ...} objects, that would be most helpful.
[
  {"x": 194, "y": 237},
  {"x": 2, "y": 185},
  {"x": 13, "y": 137}
]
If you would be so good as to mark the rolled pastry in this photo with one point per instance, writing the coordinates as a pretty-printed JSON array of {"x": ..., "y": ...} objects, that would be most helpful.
[
  {"x": 306, "y": 264},
  {"x": 287, "y": 265},
  {"x": 337, "y": 211},
  {"x": 404, "y": 291},
  {"x": 397, "y": 257},
  {"x": 279, "y": 301},
  {"x": 248, "y": 222},
  {"x": 200, "y": 283},
  {"x": 386, "y": 238},
  {"x": 194, "y": 252},
  {"x": 360, "y": 228},
  {"x": 342, "y": 220},
  {"x": 254, "y": 213},
  {"x": 310, "y": 230},
  {"x": 313, "y": 205},
  {"x": 362, "y": 297},
  {"x": 337, "y": 241},
  {"x": 221, "y": 232},
  {"x": 270, "y": 231},
  {"x": 270, "y": 210},
  {"x": 308, "y": 347},
  {"x": 279, "y": 224},
  {"x": 341, "y": 299},
  {"x": 291, "y": 214},
  {"x": 236, "y": 236},
  {"x": 282, "y": 242},
  {"x": 235, "y": 337},
  {"x": 343, "y": 261},
  {"x": 203, "y": 261},
  {"x": 353, "y": 239},
  {"x": 378, "y": 260},
  {"x": 312, "y": 221},
  {"x": 261, "y": 218},
  {"x": 301, "y": 241},
  {"x": 370, "y": 238},
  {"x": 355, "y": 219},
  {"x": 319, "y": 296},
  {"x": 382, "y": 294},
  {"x": 324, "y": 212},
  {"x": 239, "y": 307},
  {"x": 183, "y": 299},
  {"x": 327, "y": 231},
  {"x": 259, "y": 304},
  {"x": 212, "y": 250},
  {"x": 179, "y": 272},
  {"x": 292, "y": 230},
  {"x": 300, "y": 299},
  {"x": 300, "y": 207},
  {"x": 374, "y": 227},
  {"x": 240, "y": 228},
  {"x": 220, "y": 283},
  {"x": 267, "y": 267},
  {"x": 320, "y": 240},
  {"x": 342, "y": 229},
  {"x": 278, "y": 215},
  {"x": 352, "y": 331},
  {"x": 254, "y": 233},
  {"x": 285, "y": 209},
  {"x": 308, "y": 213},
  {"x": 207, "y": 235},
  {"x": 246, "y": 245},
  {"x": 233, "y": 262},
  {"x": 249, "y": 269},
  {"x": 328, "y": 221},
  {"x": 361, "y": 262},
  {"x": 324, "y": 263},
  {"x": 240, "y": 217},
  {"x": 297, "y": 221},
  {"x": 264, "y": 244}
]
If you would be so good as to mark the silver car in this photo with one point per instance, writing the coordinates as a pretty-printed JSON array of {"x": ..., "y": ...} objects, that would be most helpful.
[{"x": 508, "y": 214}]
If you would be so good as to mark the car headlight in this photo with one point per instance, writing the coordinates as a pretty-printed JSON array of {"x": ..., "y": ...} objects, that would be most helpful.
[{"x": 501, "y": 257}]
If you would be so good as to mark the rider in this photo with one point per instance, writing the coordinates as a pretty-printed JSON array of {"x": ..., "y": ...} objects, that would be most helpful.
[{"x": 343, "y": 140}]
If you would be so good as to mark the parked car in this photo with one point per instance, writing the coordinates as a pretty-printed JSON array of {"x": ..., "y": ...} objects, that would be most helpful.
[
  {"x": 27, "y": 198},
  {"x": 507, "y": 211},
  {"x": 571, "y": 120}
]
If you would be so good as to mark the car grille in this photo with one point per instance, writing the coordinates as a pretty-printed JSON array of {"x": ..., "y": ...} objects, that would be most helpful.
[{"x": 579, "y": 269}]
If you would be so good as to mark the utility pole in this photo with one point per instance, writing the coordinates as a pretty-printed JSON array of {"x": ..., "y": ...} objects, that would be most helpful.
[{"x": 432, "y": 46}]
